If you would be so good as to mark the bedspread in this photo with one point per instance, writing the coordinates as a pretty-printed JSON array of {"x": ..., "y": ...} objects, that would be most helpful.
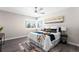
[{"x": 43, "y": 40}]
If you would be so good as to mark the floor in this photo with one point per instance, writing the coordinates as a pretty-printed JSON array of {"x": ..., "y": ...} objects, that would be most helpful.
[{"x": 12, "y": 46}]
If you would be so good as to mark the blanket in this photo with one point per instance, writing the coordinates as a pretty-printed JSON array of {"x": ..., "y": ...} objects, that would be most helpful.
[{"x": 42, "y": 39}]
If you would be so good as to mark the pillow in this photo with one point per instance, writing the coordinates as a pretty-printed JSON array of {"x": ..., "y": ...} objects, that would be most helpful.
[{"x": 39, "y": 32}]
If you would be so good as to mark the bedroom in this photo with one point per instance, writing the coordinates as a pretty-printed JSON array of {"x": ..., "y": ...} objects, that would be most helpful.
[{"x": 14, "y": 22}]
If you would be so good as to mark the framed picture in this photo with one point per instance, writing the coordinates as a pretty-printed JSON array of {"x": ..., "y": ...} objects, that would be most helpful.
[{"x": 57, "y": 19}]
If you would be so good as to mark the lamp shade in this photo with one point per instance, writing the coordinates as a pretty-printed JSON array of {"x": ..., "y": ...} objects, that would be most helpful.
[{"x": 63, "y": 28}]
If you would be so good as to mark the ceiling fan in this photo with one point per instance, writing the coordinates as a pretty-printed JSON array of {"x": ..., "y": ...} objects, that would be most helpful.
[{"x": 39, "y": 11}]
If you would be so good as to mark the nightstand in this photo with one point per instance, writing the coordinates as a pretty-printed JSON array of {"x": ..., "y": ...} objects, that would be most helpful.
[{"x": 64, "y": 37}]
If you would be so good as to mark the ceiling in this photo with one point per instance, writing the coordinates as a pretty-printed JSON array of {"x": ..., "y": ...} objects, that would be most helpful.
[{"x": 29, "y": 11}]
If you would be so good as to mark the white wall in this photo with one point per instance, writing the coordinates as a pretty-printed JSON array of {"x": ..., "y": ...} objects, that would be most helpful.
[
  {"x": 71, "y": 21},
  {"x": 73, "y": 25},
  {"x": 14, "y": 25}
]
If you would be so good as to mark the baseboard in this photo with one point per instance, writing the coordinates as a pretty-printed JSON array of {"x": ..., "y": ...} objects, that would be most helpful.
[
  {"x": 75, "y": 44},
  {"x": 14, "y": 38}
]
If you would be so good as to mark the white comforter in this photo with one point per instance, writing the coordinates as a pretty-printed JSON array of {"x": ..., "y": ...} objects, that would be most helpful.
[{"x": 43, "y": 40}]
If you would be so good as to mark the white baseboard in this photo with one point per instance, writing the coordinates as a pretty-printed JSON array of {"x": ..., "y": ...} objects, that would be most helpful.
[
  {"x": 14, "y": 38},
  {"x": 75, "y": 44}
]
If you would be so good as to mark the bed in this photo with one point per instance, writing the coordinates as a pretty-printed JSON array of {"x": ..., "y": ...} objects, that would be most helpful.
[{"x": 45, "y": 39}]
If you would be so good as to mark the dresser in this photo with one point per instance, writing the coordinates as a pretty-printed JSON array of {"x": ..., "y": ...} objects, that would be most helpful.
[{"x": 2, "y": 40}]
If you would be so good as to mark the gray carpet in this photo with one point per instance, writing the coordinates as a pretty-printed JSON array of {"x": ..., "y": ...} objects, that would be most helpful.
[{"x": 12, "y": 46}]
